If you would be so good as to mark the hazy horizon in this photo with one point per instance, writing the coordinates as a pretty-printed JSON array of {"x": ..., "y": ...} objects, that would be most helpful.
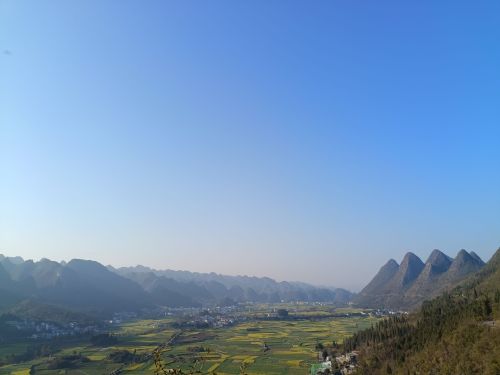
[
  {"x": 303, "y": 142},
  {"x": 355, "y": 287}
]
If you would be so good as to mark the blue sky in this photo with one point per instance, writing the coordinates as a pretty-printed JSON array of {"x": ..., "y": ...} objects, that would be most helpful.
[{"x": 298, "y": 140}]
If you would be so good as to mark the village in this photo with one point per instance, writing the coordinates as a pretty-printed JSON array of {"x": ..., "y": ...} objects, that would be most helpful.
[
  {"x": 40, "y": 330},
  {"x": 339, "y": 365}
]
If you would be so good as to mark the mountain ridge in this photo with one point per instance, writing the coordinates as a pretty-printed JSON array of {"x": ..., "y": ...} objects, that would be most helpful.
[
  {"x": 415, "y": 281},
  {"x": 88, "y": 285}
]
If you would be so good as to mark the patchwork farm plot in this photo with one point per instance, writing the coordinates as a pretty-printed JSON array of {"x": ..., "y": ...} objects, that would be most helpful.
[{"x": 266, "y": 347}]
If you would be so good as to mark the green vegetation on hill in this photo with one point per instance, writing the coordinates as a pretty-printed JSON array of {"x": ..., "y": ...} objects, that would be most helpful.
[
  {"x": 456, "y": 333},
  {"x": 37, "y": 311}
]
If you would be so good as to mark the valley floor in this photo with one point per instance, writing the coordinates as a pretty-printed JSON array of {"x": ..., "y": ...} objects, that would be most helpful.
[{"x": 270, "y": 347}]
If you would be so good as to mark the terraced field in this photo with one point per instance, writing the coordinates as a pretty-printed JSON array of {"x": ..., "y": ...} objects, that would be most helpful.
[{"x": 261, "y": 347}]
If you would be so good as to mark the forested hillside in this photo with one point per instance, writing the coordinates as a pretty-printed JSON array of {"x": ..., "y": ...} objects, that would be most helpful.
[{"x": 456, "y": 333}]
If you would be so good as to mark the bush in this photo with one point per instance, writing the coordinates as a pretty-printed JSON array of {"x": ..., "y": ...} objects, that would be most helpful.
[
  {"x": 68, "y": 361},
  {"x": 103, "y": 339}
]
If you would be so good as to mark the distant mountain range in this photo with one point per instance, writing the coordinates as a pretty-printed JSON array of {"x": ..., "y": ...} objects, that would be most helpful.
[
  {"x": 88, "y": 286},
  {"x": 210, "y": 287},
  {"x": 408, "y": 284},
  {"x": 85, "y": 285}
]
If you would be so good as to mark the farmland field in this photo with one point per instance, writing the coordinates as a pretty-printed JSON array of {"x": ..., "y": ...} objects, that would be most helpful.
[{"x": 260, "y": 346}]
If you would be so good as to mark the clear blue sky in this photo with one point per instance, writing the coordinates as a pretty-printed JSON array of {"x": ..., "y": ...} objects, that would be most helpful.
[{"x": 301, "y": 140}]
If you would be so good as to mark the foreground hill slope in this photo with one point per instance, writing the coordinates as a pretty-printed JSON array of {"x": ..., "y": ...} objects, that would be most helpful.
[
  {"x": 406, "y": 286},
  {"x": 456, "y": 333}
]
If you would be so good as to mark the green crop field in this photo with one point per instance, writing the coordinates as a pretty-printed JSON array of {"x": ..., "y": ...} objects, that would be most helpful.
[{"x": 290, "y": 347}]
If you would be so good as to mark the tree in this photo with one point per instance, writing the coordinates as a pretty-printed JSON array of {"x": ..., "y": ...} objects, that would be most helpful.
[
  {"x": 324, "y": 354},
  {"x": 282, "y": 313}
]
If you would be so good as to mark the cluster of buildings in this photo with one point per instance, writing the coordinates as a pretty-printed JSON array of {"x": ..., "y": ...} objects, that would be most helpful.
[
  {"x": 210, "y": 321},
  {"x": 120, "y": 317},
  {"x": 46, "y": 330},
  {"x": 381, "y": 313},
  {"x": 214, "y": 317},
  {"x": 347, "y": 362},
  {"x": 344, "y": 364}
]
